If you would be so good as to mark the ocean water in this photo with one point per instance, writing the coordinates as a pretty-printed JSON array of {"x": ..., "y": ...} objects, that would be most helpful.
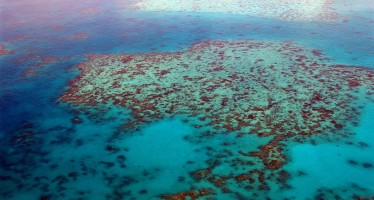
[{"x": 59, "y": 146}]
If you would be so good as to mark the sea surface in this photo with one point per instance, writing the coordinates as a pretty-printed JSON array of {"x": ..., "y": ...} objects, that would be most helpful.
[{"x": 69, "y": 129}]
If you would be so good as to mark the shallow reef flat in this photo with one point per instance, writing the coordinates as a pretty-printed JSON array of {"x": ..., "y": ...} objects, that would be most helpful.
[
  {"x": 289, "y": 10},
  {"x": 266, "y": 87},
  {"x": 278, "y": 92}
]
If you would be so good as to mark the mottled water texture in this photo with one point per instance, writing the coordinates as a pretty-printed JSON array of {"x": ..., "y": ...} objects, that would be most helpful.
[{"x": 153, "y": 99}]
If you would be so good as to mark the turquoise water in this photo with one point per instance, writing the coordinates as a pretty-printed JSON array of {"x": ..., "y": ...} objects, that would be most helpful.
[
  {"x": 57, "y": 150},
  {"x": 335, "y": 165}
]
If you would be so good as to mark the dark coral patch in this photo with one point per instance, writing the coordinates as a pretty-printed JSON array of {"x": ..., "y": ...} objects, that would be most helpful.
[{"x": 367, "y": 165}]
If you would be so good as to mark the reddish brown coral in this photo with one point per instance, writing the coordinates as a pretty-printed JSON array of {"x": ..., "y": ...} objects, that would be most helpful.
[{"x": 190, "y": 194}]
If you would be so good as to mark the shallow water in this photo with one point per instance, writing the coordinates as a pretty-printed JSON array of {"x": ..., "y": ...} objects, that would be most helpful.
[{"x": 138, "y": 100}]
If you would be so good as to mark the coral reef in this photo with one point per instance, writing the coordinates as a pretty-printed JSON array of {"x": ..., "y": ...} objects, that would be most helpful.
[{"x": 280, "y": 90}]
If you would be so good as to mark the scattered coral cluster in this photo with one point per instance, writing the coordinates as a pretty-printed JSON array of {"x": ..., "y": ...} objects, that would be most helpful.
[{"x": 191, "y": 194}]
